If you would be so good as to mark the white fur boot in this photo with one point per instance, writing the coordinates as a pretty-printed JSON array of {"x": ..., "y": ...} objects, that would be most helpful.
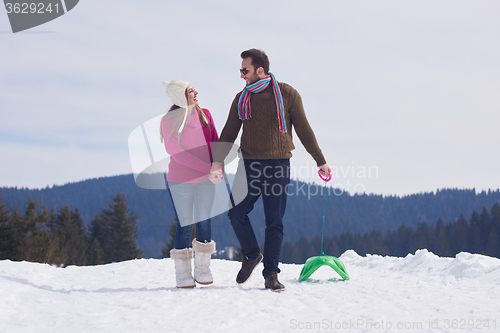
[
  {"x": 182, "y": 260},
  {"x": 202, "y": 254}
]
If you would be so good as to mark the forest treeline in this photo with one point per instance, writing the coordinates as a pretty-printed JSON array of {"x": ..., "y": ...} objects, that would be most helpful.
[
  {"x": 61, "y": 238},
  {"x": 344, "y": 212},
  {"x": 481, "y": 234}
]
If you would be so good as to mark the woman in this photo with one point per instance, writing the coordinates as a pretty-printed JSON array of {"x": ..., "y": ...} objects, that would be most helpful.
[{"x": 187, "y": 131}]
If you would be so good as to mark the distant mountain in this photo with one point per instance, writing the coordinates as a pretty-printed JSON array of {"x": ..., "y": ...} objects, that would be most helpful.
[{"x": 344, "y": 212}]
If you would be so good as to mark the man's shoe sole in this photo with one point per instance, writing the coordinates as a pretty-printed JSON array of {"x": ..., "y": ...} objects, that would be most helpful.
[
  {"x": 276, "y": 290},
  {"x": 261, "y": 258}
]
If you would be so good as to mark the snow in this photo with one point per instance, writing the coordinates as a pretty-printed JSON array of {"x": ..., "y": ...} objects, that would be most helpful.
[{"x": 418, "y": 293}]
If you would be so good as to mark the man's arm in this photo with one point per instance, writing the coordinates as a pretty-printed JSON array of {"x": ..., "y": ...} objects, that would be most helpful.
[
  {"x": 229, "y": 134},
  {"x": 303, "y": 129}
]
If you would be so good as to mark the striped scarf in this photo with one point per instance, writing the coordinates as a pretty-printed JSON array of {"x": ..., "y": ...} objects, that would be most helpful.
[{"x": 244, "y": 111}]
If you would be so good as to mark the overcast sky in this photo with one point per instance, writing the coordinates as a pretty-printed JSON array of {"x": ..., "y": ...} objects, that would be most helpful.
[{"x": 404, "y": 93}]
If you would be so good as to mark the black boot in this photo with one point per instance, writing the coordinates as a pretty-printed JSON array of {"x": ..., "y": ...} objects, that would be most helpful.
[
  {"x": 273, "y": 284},
  {"x": 247, "y": 267}
]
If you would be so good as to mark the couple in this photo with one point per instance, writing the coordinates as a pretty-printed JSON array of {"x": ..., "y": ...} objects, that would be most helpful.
[{"x": 267, "y": 110}]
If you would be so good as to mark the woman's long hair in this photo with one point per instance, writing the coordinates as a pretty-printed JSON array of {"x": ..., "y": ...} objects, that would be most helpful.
[{"x": 179, "y": 120}]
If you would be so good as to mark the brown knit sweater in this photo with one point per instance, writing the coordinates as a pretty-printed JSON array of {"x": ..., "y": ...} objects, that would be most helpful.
[{"x": 261, "y": 137}]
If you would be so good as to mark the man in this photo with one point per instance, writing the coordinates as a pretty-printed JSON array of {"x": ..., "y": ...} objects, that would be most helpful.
[{"x": 268, "y": 110}]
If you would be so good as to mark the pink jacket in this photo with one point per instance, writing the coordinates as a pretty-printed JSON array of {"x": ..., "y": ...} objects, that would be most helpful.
[{"x": 190, "y": 156}]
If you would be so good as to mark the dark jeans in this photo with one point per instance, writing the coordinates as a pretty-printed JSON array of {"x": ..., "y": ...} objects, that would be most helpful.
[{"x": 269, "y": 178}]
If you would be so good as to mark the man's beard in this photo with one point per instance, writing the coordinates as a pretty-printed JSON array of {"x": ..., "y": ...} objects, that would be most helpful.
[{"x": 253, "y": 79}]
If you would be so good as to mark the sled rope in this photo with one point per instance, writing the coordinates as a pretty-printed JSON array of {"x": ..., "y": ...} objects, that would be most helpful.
[{"x": 324, "y": 214}]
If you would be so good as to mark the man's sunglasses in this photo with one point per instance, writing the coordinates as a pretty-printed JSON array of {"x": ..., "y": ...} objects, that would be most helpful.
[{"x": 244, "y": 71}]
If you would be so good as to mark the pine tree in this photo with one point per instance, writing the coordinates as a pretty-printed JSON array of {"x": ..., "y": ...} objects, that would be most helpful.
[
  {"x": 18, "y": 235},
  {"x": 366, "y": 245},
  {"x": 6, "y": 234},
  {"x": 94, "y": 253},
  {"x": 495, "y": 215},
  {"x": 392, "y": 242},
  {"x": 96, "y": 230},
  {"x": 28, "y": 230},
  {"x": 441, "y": 247},
  {"x": 95, "y": 236},
  {"x": 484, "y": 225},
  {"x": 69, "y": 228},
  {"x": 417, "y": 241},
  {"x": 491, "y": 248},
  {"x": 346, "y": 241},
  {"x": 459, "y": 236},
  {"x": 475, "y": 244},
  {"x": 405, "y": 235},
  {"x": 49, "y": 251},
  {"x": 36, "y": 244},
  {"x": 31, "y": 238},
  {"x": 120, "y": 231},
  {"x": 495, "y": 223},
  {"x": 380, "y": 247},
  {"x": 79, "y": 239}
]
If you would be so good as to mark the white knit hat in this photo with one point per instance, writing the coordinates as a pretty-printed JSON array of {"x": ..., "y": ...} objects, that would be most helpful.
[{"x": 176, "y": 91}]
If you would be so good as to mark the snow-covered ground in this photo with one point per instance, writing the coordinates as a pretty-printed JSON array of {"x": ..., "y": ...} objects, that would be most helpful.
[{"x": 418, "y": 293}]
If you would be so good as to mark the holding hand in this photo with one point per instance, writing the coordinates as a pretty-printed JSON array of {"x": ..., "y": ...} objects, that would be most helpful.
[{"x": 216, "y": 174}]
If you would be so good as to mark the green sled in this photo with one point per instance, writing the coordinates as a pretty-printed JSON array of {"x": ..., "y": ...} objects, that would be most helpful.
[{"x": 313, "y": 263}]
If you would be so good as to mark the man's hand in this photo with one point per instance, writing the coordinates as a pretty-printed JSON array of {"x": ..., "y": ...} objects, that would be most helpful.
[
  {"x": 216, "y": 173},
  {"x": 325, "y": 170}
]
